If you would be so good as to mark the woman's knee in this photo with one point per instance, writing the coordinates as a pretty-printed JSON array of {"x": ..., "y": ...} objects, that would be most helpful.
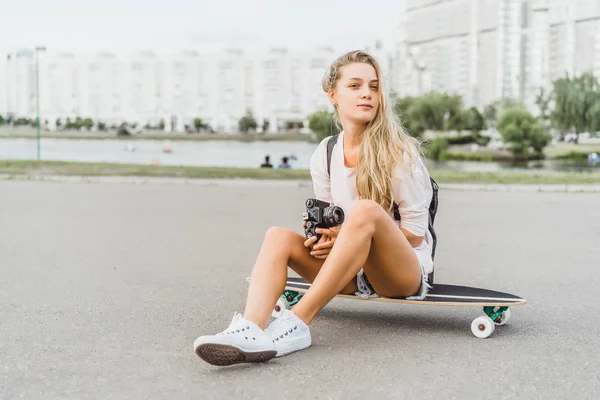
[
  {"x": 287, "y": 241},
  {"x": 280, "y": 235},
  {"x": 283, "y": 239},
  {"x": 365, "y": 214}
]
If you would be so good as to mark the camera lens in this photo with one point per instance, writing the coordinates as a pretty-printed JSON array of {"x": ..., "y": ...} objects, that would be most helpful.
[{"x": 333, "y": 216}]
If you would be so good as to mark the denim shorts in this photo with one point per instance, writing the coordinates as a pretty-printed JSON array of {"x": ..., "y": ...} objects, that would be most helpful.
[{"x": 366, "y": 290}]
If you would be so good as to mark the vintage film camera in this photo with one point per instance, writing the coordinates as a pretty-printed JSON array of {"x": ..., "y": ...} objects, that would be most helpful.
[{"x": 320, "y": 214}]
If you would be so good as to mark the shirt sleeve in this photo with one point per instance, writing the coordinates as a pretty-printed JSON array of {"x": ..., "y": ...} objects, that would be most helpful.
[
  {"x": 414, "y": 196},
  {"x": 318, "y": 172}
]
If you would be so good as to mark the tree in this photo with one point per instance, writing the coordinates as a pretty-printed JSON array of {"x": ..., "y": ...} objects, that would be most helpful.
[
  {"x": 78, "y": 123},
  {"x": 265, "y": 125},
  {"x": 426, "y": 112},
  {"x": 403, "y": 103},
  {"x": 124, "y": 130},
  {"x": 322, "y": 124},
  {"x": 474, "y": 120},
  {"x": 2, "y": 121},
  {"x": 87, "y": 123},
  {"x": 434, "y": 111},
  {"x": 454, "y": 116},
  {"x": 576, "y": 104},
  {"x": 542, "y": 100},
  {"x": 436, "y": 148},
  {"x": 511, "y": 103},
  {"x": 490, "y": 113},
  {"x": 198, "y": 124},
  {"x": 247, "y": 122},
  {"x": 412, "y": 118},
  {"x": 523, "y": 131}
]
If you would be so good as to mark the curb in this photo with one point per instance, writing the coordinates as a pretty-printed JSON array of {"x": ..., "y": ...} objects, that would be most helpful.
[{"x": 244, "y": 182}]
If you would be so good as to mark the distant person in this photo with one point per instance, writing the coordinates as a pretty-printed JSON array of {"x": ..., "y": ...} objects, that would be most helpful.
[
  {"x": 285, "y": 163},
  {"x": 384, "y": 247},
  {"x": 267, "y": 163}
]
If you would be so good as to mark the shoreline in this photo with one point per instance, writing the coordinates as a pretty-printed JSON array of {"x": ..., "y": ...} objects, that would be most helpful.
[
  {"x": 249, "y": 137},
  {"x": 24, "y": 169},
  {"x": 253, "y": 182}
]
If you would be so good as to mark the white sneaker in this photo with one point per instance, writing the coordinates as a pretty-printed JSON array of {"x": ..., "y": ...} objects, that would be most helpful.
[
  {"x": 289, "y": 333},
  {"x": 242, "y": 341}
]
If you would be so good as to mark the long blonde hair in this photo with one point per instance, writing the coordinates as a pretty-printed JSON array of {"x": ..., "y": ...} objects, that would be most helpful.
[{"x": 384, "y": 144}]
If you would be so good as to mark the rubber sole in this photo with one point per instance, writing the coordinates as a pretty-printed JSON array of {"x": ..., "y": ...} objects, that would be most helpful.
[{"x": 222, "y": 354}]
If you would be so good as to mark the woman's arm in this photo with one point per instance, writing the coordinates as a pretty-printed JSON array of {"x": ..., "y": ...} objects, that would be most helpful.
[
  {"x": 318, "y": 173},
  {"x": 413, "y": 193}
]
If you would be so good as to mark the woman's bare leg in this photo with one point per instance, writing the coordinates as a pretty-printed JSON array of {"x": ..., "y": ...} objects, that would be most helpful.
[
  {"x": 281, "y": 248},
  {"x": 370, "y": 239}
]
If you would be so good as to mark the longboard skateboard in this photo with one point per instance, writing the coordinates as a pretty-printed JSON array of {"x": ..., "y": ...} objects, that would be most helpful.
[{"x": 495, "y": 304}]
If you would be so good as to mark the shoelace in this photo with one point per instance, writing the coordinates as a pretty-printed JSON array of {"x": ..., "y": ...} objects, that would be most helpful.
[
  {"x": 233, "y": 326},
  {"x": 282, "y": 327}
]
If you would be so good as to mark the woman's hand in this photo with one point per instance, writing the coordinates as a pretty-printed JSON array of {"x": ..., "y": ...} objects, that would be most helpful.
[
  {"x": 322, "y": 249},
  {"x": 312, "y": 240}
]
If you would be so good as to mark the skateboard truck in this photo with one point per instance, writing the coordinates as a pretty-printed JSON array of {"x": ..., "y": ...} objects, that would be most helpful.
[
  {"x": 496, "y": 314},
  {"x": 483, "y": 327},
  {"x": 288, "y": 299}
]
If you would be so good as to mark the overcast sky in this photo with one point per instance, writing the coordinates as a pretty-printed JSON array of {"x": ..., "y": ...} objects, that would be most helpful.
[{"x": 168, "y": 26}]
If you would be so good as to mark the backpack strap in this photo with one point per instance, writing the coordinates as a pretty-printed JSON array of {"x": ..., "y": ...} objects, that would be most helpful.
[
  {"x": 330, "y": 145},
  {"x": 433, "y": 206},
  {"x": 396, "y": 212}
]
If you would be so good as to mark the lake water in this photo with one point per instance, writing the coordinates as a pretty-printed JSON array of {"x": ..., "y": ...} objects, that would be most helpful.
[
  {"x": 219, "y": 153},
  {"x": 199, "y": 153}
]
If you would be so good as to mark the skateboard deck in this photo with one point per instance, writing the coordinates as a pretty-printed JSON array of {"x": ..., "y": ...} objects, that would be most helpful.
[
  {"x": 440, "y": 294},
  {"x": 495, "y": 304}
]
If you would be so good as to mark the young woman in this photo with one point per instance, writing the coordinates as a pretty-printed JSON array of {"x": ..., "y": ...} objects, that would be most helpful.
[{"x": 374, "y": 164}]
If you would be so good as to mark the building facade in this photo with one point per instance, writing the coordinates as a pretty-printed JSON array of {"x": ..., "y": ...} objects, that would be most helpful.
[
  {"x": 280, "y": 88},
  {"x": 489, "y": 50}
]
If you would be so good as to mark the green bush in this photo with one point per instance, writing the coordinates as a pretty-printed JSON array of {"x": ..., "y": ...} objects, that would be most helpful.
[
  {"x": 474, "y": 120},
  {"x": 436, "y": 149},
  {"x": 482, "y": 140},
  {"x": 322, "y": 124},
  {"x": 247, "y": 122},
  {"x": 433, "y": 111},
  {"x": 467, "y": 157},
  {"x": 474, "y": 137},
  {"x": 523, "y": 132},
  {"x": 572, "y": 155},
  {"x": 462, "y": 139}
]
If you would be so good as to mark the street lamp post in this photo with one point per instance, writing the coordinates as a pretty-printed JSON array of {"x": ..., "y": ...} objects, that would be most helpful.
[
  {"x": 37, "y": 83},
  {"x": 8, "y": 62}
]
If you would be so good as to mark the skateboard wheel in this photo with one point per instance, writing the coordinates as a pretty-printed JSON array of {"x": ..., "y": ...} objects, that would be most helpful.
[
  {"x": 482, "y": 327},
  {"x": 281, "y": 305},
  {"x": 504, "y": 317}
]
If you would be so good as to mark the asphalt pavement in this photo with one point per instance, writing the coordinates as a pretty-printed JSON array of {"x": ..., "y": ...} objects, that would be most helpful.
[{"x": 105, "y": 286}]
